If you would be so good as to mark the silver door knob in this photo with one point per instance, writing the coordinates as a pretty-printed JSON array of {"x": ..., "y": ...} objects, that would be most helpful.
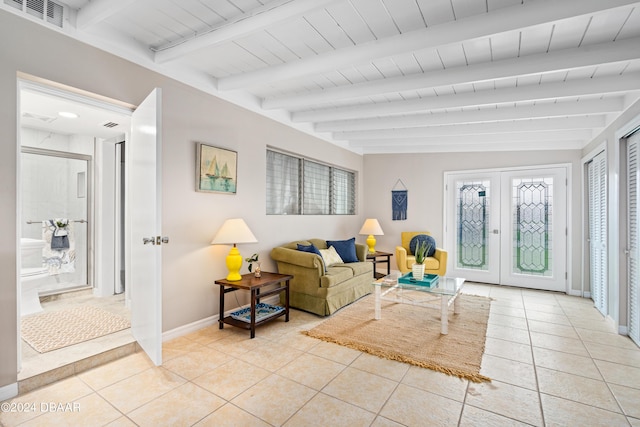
[{"x": 165, "y": 239}]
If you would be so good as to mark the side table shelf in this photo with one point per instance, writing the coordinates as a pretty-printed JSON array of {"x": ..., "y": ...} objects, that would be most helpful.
[{"x": 254, "y": 284}]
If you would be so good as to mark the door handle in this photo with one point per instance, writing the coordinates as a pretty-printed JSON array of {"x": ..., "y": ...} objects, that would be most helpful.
[
  {"x": 495, "y": 231},
  {"x": 147, "y": 240}
]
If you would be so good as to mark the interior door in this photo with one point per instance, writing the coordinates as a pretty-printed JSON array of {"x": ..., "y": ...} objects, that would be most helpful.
[
  {"x": 597, "y": 193},
  {"x": 633, "y": 236},
  {"x": 143, "y": 200}
]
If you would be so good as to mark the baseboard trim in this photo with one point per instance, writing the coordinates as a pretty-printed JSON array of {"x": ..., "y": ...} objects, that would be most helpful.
[
  {"x": 208, "y": 321},
  {"x": 8, "y": 391}
]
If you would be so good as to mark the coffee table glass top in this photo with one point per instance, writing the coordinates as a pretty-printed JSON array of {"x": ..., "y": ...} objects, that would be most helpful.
[{"x": 444, "y": 286}]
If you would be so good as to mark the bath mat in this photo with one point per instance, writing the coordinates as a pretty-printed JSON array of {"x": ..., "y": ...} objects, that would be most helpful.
[
  {"x": 56, "y": 329},
  {"x": 411, "y": 334}
]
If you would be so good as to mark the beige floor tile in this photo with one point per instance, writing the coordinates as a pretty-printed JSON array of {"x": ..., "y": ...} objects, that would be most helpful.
[
  {"x": 413, "y": 407},
  {"x": 541, "y": 316},
  {"x": 182, "y": 406},
  {"x": 614, "y": 354},
  {"x": 335, "y": 352},
  {"x": 270, "y": 356},
  {"x": 385, "y": 422},
  {"x": 579, "y": 389},
  {"x": 141, "y": 388},
  {"x": 532, "y": 308},
  {"x": 508, "y": 350},
  {"x": 121, "y": 422},
  {"x": 508, "y": 333},
  {"x": 501, "y": 398},
  {"x": 87, "y": 411},
  {"x": 206, "y": 336},
  {"x": 332, "y": 412},
  {"x": 297, "y": 340},
  {"x": 602, "y": 325},
  {"x": 619, "y": 374},
  {"x": 507, "y": 321},
  {"x": 555, "y": 342},
  {"x": 363, "y": 389},
  {"x": 553, "y": 329},
  {"x": 509, "y": 371},
  {"x": 629, "y": 399},
  {"x": 66, "y": 391},
  {"x": 634, "y": 422},
  {"x": 384, "y": 367},
  {"x": 311, "y": 371},
  {"x": 231, "y": 416},
  {"x": 606, "y": 338},
  {"x": 474, "y": 417},
  {"x": 509, "y": 303},
  {"x": 274, "y": 399},
  {"x": 436, "y": 383},
  {"x": 196, "y": 363},
  {"x": 103, "y": 376},
  {"x": 231, "y": 379},
  {"x": 565, "y": 362},
  {"x": 508, "y": 311},
  {"x": 561, "y": 412},
  {"x": 236, "y": 344}
]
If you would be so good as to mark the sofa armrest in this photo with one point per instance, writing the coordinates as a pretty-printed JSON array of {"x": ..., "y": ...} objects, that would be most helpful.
[
  {"x": 361, "y": 252},
  {"x": 299, "y": 258}
]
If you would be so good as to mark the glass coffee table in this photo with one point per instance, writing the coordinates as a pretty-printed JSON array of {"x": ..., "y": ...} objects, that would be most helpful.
[{"x": 441, "y": 293}]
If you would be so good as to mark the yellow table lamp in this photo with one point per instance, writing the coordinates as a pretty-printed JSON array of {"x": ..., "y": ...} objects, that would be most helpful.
[
  {"x": 372, "y": 228},
  {"x": 232, "y": 232}
]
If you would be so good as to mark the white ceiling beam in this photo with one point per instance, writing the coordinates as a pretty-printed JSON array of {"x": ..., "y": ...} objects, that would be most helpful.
[
  {"x": 477, "y": 26},
  {"x": 98, "y": 10},
  {"x": 564, "y": 59},
  {"x": 562, "y": 109},
  {"x": 580, "y": 87},
  {"x": 561, "y": 135},
  {"x": 247, "y": 23},
  {"x": 557, "y": 123},
  {"x": 464, "y": 146}
]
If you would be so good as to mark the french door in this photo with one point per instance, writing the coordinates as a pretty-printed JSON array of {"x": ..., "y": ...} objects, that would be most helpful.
[
  {"x": 509, "y": 227},
  {"x": 633, "y": 236}
]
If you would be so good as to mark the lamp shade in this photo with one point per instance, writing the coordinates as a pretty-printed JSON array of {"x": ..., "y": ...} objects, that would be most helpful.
[
  {"x": 234, "y": 231},
  {"x": 371, "y": 227}
]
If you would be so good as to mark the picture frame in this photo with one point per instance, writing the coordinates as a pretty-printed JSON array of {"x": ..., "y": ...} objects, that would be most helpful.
[{"x": 216, "y": 169}]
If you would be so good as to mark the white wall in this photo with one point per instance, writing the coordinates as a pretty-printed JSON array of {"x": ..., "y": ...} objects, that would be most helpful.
[
  {"x": 190, "y": 219},
  {"x": 423, "y": 176}
]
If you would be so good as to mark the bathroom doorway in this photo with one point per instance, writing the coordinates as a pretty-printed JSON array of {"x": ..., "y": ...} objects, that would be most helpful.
[{"x": 71, "y": 170}]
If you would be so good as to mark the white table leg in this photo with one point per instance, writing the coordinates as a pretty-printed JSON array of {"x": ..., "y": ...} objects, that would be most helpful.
[
  {"x": 444, "y": 316},
  {"x": 378, "y": 311}
]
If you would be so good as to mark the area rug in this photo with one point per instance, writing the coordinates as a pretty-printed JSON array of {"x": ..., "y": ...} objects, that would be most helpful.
[
  {"x": 411, "y": 334},
  {"x": 56, "y": 329}
]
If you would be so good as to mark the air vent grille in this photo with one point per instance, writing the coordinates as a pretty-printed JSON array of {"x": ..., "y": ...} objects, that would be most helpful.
[
  {"x": 48, "y": 10},
  {"x": 110, "y": 124}
]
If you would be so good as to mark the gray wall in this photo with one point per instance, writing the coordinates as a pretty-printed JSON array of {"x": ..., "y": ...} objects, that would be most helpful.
[
  {"x": 190, "y": 263},
  {"x": 423, "y": 175}
]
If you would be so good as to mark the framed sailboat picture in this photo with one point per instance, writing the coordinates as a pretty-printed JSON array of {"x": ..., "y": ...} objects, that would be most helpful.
[{"x": 216, "y": 169}]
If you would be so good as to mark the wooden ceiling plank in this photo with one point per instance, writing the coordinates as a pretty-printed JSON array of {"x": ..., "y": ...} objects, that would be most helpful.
[{"x": 98, "y": 10}]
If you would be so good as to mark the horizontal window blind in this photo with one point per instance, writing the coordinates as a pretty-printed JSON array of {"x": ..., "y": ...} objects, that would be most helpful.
[{"x": 297, "y": 186}]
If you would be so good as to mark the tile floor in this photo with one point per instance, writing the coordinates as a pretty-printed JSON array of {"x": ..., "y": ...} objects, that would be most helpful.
[{"x": 553, "y": 359}]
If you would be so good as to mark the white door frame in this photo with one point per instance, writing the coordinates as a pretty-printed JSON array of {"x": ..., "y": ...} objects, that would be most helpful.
[{"x": 447, "y": 233}]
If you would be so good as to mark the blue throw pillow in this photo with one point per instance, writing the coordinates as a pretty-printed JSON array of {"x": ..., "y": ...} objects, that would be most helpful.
[
  {"x": 345, "y": 248},
  {"x": 309, "y": 248},
  {"x": 431, "y": 243}
]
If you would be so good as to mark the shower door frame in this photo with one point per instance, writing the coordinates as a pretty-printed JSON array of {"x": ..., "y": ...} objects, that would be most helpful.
[{"x": 89, "y": 198}]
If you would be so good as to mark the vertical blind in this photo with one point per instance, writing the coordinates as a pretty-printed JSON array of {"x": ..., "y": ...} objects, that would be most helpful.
[{"x": 297, "y": 186}]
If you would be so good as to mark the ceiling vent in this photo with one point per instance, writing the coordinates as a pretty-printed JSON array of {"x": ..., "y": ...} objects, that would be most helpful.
[
  {"x": 46, "y": 10},
  {"x": 44, "y": 119},
  {"x": 110, "y": 124}
]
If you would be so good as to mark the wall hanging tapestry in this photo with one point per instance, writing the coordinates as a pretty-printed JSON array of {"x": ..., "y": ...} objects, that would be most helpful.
[{"x": 399, "y": 202}]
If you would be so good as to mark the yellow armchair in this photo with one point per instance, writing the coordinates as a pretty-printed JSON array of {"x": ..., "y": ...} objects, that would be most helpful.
[{"x": 437, "y": 264}]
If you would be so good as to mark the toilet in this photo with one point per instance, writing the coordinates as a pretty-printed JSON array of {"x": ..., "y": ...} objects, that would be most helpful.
[{"x": 32, "y": 275}]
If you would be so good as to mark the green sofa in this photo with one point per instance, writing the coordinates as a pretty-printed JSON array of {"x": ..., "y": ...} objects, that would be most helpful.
[{"x": 318, "y": 291}]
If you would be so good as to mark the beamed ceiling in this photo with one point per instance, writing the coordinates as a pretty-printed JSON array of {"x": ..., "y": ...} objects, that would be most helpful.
[{"x": 392, "y": 76}]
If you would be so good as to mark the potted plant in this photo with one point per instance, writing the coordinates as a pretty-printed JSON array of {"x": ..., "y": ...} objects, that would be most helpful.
[
  {"x": 422, "y": 249},
  {"x": 254, "y": 258}
]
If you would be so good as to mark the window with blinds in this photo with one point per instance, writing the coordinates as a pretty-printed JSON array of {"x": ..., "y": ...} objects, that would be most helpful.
[{"x": 297, "y": 186}]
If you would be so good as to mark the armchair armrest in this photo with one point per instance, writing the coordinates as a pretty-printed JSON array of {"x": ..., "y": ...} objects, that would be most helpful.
[{"x": 401, "y": 258}]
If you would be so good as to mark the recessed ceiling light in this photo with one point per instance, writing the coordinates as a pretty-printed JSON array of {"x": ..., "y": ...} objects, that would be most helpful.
[{"x": 68, "y": 115}]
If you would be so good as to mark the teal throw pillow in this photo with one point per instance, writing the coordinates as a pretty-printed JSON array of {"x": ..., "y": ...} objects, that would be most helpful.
[
  {"x": 346, "y": 249},
  {"x": 431, "y": 243}
]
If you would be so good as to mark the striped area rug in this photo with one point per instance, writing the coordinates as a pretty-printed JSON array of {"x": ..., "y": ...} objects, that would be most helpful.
[{"x": 56, "y": 329}]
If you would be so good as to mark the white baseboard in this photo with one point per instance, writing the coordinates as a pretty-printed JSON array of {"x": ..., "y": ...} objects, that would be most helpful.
[
  {"x": 8, "y": 391},
  {"x": 203, "y": 323},
  {"x": 575, "y": 293}
]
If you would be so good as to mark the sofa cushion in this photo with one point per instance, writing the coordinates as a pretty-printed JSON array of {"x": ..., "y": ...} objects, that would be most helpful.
[
  {"x": 430, "y": 241},
  {"x": 335, "y": 275},
  {"x": 330, "y": 256},
  {"x": 346, "y": 249},
  {"x": 359, "y": 268}
]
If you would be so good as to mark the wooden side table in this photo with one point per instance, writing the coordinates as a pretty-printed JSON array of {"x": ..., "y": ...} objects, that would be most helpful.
[
  {"x": 254, "y": 284},
  {"x": 385, "y": 258}
]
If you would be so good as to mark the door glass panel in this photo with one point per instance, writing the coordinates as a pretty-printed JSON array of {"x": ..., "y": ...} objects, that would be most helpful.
[
  {"x": 473, "y": 223},
  {"x": 532, "y": 198}
]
